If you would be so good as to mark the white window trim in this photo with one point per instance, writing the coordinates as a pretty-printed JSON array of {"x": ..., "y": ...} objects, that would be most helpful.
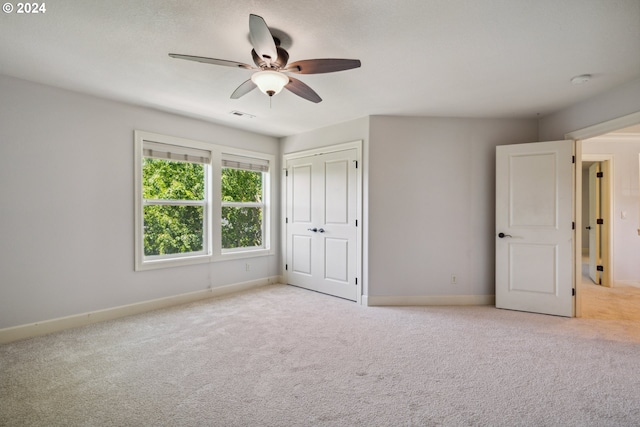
[
  {"x": 216, "y": 211},
  {"x": 213, "y": 240},
  {"x": 152, "y": 262}
]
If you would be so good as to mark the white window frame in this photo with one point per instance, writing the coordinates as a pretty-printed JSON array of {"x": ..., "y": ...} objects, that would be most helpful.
[
  {"x": 212, "y": 240},
  {"x": 228, "y": 153},
  {"x": 149, "y": 140},
  {"x": 255, "y": 165}
]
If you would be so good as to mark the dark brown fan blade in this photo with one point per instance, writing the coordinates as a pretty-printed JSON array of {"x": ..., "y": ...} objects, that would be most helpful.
[
  {"x": 302, "y": 90},
  {"x": 319, "y": 66},
  {"x": 261, "y": 39},
  {"x": 212, "y": 61},
  {"x": 243, "y": 89}
]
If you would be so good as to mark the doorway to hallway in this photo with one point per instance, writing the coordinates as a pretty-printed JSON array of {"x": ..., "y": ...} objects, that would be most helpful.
[{"x": 620, "y": 301}]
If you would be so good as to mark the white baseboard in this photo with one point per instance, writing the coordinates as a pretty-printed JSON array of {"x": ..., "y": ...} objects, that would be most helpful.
[
  {"x": 373, "y": 300},
  {"x": 31, "y": 330}
]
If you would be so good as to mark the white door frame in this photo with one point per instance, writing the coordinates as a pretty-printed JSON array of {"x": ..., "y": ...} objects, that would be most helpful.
[
  {"x": 315, "y": 152},
  {"x": 578, "y": 136}
]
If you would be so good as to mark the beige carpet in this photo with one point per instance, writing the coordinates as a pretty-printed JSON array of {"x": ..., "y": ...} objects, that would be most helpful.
[
  {"x": 283, "y": 356},
  {"x": 600, "y": 302}
]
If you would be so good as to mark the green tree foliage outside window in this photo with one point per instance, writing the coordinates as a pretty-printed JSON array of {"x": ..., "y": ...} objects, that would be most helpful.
[
  {"x": 173, "y": 229},
  {"x": 242, "y": 208}
]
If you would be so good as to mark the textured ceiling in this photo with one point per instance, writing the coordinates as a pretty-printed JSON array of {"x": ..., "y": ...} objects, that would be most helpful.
[{"x": 459, "y": 58}]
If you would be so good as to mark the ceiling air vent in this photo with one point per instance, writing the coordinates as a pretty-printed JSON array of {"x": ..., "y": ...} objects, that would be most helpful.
[{"x": 241, "y": 114}]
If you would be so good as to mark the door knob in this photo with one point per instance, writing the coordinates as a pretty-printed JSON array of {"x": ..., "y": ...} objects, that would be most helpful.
[
  {"x": 321, "y": 230},
  {"x": 502, "y": 235},
  {"x": 588, "y": 227},
  {"x": 315, "y": 230}
]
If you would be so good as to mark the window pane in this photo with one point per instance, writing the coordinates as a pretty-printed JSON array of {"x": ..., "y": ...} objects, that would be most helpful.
[
  {"x": 172, "y": 180},
  {"x": 173, "y": 229},
  {"x": 241, "y": 185},
  {"x": 241, "y": 227}
]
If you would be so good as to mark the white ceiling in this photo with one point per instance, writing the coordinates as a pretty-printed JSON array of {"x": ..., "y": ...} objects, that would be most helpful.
[{"x": 458, "y": 58}]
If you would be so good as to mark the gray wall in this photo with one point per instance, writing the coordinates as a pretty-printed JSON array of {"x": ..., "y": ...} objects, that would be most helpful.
[
  {"x": 432, "y": 203},
  {"x": 66, "y": 204},
  {"x": 429, "y": 208}
]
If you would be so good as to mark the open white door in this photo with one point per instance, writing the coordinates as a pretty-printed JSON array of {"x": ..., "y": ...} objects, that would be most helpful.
[
  {"x": 593, "y": 227},
  {"x": 534, "y": 227},
  {"x": 599, "y": 225},
  {"x": 605, "y": 224}
]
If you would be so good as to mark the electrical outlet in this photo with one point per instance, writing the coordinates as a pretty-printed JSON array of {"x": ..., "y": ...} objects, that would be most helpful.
[{"x": 454, "y": 279}]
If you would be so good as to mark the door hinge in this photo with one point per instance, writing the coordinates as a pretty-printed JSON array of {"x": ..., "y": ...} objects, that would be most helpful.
[
  {"x": 573, "y": 292},
  {"x": 573, "y": 225},
  {"x": 356, "y": 280},
  {"x": 356, "y": 222},
  {"x": 286, "y": 172},
  {"x": 600, "y": 221},
  {"x": 573, "y": 159},
  {"x": 599, "y": 268},
  {"x": 599, "y": 174},
  {"x": 356, "y": 164},
  {"x": 286, "y": 266},
  {"x": 286, "y": 220}
]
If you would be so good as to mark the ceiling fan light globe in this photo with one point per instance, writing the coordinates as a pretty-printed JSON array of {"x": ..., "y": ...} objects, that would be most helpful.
[{"x": 270, "y": 82}]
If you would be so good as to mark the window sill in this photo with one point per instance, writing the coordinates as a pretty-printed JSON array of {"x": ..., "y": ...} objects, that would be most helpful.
[
  {"x": 228, "y": 256},
  {"x": 200, "y": 259},
  {"x": 172, "y": 262}
]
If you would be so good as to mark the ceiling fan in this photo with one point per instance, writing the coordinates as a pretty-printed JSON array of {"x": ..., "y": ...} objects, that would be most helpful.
[{"x": 271, "y": 61}]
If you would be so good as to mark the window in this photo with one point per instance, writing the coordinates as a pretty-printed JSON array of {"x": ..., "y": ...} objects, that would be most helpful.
[
  {"x": 243, "y": 205},
  {"x": 198, "y": 202}
]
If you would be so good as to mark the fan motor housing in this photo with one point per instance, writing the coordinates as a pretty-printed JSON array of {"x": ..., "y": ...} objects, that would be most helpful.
[{"x": 279, "y": 62}]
